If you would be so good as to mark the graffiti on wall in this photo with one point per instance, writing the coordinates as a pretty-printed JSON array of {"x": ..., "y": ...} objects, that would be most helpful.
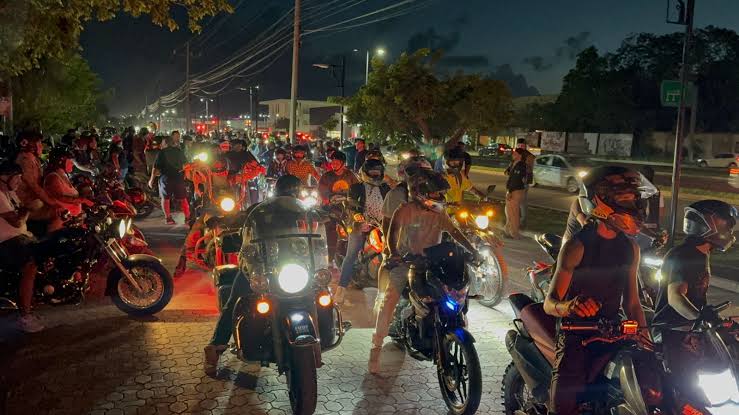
[
  {"x": 553, "y": 141},
  {"x": 615, "y": 145}
]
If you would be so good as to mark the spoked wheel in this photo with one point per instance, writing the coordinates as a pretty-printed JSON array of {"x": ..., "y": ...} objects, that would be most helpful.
[
  {"x": 516, "y": 395},
  {"x": 157, "y": 288},
  {"x": 490, "y": 280},
  {"x": 302, "y": 381},
  {"x": 460, "y": 379}
]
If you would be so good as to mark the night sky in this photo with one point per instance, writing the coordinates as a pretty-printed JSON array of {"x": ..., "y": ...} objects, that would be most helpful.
[{"x": 537, "y": 38}]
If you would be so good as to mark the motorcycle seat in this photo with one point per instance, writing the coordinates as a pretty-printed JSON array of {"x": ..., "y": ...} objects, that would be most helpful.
[
  {"x": 541, "y": 327},
  {"x": 551, "y": 242}
]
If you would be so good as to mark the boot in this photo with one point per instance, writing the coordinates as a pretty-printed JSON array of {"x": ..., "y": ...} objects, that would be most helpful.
[
  {"x": 181, "y": 267},
  {"x": 212, "y": 354},
  {"x": 339, "y": 295}
]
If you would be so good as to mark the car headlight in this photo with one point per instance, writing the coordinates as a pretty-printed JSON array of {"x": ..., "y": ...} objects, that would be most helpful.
[
  {"x": 201, "y": 157},
  {"x": 582, "y": 173},
  {"x": 482, "y": 221},
  {"x": 227, "y": 204},
  {"x": 122, "y": 229},
  {"x": 293, "y": 278},
  {"x": 719, "y": 388},
  {"x": 652, "y": 261}
]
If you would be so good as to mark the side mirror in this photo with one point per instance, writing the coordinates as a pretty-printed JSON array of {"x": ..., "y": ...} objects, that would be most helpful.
[{"x": 489, "y": 192}]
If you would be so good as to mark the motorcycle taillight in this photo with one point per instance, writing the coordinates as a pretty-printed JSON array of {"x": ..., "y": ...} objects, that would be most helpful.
[{"x": 630, "y": 327}]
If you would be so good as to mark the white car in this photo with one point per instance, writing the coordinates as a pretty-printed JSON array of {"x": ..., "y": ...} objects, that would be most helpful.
[
  {"x": 730, "y": 160},
  {"x": 558, "y": 171}
]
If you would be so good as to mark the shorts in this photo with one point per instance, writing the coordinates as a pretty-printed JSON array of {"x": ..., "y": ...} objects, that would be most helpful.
[
  {"x": 172, "y": 188},
  {"x": 398, "y": 276},
  {"x": 17, "y": 252}
]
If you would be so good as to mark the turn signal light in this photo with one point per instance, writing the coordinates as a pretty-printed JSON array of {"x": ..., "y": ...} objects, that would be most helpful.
[
  {"x": 324, "y": 300},
  {"x": 464, "y": 214},
  {"x": 630, "y": 327},
  {"x": 263, "y": 307}
]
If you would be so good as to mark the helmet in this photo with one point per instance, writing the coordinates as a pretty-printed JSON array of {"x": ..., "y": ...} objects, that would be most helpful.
[
  {"x": 375, "y": 155},
  {"x": 373, "y": 172},
  {"x": 616, "y": 195},
  {"x": 27, "y": 140},
  {"x": 288, "y": 185},
  {"x": 410, "y": 166},
  {"x": 338, "y": 155},
  {"x": 712, "y": 221},
  {"x": 454, "y": 159},
  {"x": 10, "y": 168},
  {"x": 58, "y": 157},
  {"x": 428, "y": 188}
]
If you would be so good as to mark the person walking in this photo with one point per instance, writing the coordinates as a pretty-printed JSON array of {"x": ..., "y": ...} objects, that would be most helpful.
[
  {"x": 515, "y": 188},
  {"x": 169, "y": 166}
]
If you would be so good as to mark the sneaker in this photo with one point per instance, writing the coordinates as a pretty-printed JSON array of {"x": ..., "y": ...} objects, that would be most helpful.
[
  {"x": 210, "y": 361},
  {"x": 170, "y": 221},
  {"x": 29, "y": 323}
]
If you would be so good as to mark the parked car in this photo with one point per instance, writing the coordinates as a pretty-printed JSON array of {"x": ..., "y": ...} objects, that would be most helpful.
[
  {"x": 495, "y": 150},
  {"x": 560, "y": 171},
  {"x": 730, "y": 160}
]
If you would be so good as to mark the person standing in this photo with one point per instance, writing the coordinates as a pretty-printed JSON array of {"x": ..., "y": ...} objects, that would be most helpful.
[
  {"x": 169, "y": 166},
  {"x": 361, "y": 154},
  {"x": 515, "y": 187},
  {"x": 576, "y": 219}
]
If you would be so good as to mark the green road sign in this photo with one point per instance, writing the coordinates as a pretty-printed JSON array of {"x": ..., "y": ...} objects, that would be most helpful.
[{"x": 670, "y": 94}]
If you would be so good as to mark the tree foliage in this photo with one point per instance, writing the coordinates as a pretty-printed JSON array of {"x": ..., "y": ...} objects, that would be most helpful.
[
  {"x": 31, "y": 30},
  {"x": 60, "y": 94},
  {"x": 407, "y": 98}
]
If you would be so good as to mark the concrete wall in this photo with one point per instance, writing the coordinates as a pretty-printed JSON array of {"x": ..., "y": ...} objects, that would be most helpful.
[{"x": 709, "y": 143}]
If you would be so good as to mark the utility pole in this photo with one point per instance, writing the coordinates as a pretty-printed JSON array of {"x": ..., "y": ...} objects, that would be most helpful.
[
  {"x": 366, "y": 69},
  {"x": 188, "y": 121},
  {"x": 680, "y": 128},
  {"x": 343, "y": 94},
  {"x": 255, "y": 108},
  {"x": 294, "y": 86}
]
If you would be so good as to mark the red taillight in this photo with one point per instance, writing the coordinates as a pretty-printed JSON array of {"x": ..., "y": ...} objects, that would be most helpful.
[{"x": 630, "y": 327}]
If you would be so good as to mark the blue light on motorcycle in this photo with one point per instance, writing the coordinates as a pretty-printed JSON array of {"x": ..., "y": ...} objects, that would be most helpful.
[{"x": 451, "y": 304}]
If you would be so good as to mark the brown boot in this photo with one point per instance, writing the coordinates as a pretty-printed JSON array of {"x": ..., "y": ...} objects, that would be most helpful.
[{"x": 210, "y": 362}]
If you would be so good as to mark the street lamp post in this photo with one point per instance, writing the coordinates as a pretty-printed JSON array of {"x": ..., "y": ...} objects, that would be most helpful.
[
  {"x": 253, "y": 97},
  {"x": 206, "y": 100},
  {"x": 341, "y": 79},
  {"x": 379, "y": 52}
]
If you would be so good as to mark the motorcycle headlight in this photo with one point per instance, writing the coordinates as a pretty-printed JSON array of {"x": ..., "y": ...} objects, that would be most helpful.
[
  {"x": 582, "y": 173},
  {"x": 227, "y": 204},
  {"x": 293, "y": 278},
  {"x": 719, "y": 388},
  {"x": 258, "y": 283},
  {"x": 482, "y": 221},
  {"x": 122, "y": 229},
  {"x": 309, "y": 201},
  {"x": 652, "y": 261},
  {"x": 201, "y": 157}
]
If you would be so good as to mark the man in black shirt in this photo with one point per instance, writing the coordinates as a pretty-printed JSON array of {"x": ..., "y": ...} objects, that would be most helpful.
[
  {"x": 168, "y": 166},
  {"x": 238, "y": 156},
  {"x": 360, "y": 155},
  {"x": 682, "y": 299},
  {"x": 515, "y": 187}
]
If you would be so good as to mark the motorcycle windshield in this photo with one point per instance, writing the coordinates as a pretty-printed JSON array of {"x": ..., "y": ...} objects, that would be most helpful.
[
  {"x": 447, "y": 262},
  {"x": 295, "y": 231}
]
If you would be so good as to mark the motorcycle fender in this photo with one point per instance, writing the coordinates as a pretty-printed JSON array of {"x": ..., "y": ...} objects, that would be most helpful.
[
  {"x": 534, "y": 368},
  {"x": 300, "y": 332},
  {"x": 128, "y": 262},
  {"x": 623, "y": 368},
  {"x": 460, "y": 334}
]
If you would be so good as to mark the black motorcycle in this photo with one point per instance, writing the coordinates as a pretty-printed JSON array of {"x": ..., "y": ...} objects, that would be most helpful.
[
  {"x": 137, "y": 284},
  {"x": 288, "y": 316},
  {"x": 615, "y": 384},
  {"x": 431, "y": 325}
]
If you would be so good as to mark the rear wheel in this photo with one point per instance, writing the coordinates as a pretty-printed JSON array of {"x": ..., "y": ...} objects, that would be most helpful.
[
  {"x": 302, "y": 381},
  {"x": 460, "y": 379},
  {"x": 516, "y": 396},
  {"x": 703, "y": 164}
]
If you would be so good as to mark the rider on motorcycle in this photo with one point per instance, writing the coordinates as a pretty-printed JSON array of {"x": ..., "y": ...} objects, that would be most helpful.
[
  {"x": 415, "y": 226},
  {"x": 596, "y": 276},
  {"x": 376, "y": 154},
  {"x": 31, "y": 192},
  {"x": 286, "y": 186},
  {"x": 278, "y": 167},
  {"x": 58, "y": 186},
  {"x": 365, "y": 201},
  {"x": 16, "y": 243},
  {"x": 709, "y": 226},
  {"x": 399, "y": 194},
  {"x": 301, "y": 166},
  {"x": 335, "y": 182},
  {"x": 459, "y": 182}
]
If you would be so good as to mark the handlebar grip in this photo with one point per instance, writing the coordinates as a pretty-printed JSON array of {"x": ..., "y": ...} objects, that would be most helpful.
[
  {"x": 579, "y": 326},
  {"x": 722, "y": 306}
]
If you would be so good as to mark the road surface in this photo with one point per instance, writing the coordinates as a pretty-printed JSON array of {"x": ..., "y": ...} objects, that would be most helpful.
[{"x": 94, "y": 360}]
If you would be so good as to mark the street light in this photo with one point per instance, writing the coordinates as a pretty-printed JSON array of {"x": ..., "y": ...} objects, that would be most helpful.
[
  {"x": 206, "y": 100},
  {"x": 378, "y": 52},
  {"x": 253, "y": 96}
]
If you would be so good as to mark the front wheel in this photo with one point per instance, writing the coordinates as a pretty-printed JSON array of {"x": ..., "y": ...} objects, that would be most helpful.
[
  {"x": 490, "y": 279},
  {"x": 516, "y": 396},
  {"x": 157, "y": 288},
  {"x": 302, "y": 381},
  {"x": 460, "y": 377},
  {"x": 572, "y": 185}
]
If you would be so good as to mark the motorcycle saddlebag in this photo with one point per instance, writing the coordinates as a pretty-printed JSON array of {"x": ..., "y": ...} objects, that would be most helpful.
[{"x": 223, "y": 279}]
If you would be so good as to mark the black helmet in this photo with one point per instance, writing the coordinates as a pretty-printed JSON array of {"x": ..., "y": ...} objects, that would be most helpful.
[
  {"x": 288, "y": 185},
  {"x": 10, "y": 168},
  {"x": 373, "y": 172},
  {"x": 428, "y": 188},
  {"x": 375, "y": 155},
  {"x": 338, "y": 155},
  {"x": 712, "y": 221},
  {"x": 412, "y": 165},
  {"x": 58, "y": 157},
  {"x": 617, "y": 196},
  {"x": 454, "y": 159}
]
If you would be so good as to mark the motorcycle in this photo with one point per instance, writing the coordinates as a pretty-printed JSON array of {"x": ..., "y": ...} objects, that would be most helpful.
[
  {"x": 138, "y": 284},
  {"x": 288, "y": 316},
  {"x": 430, "y": 324},
  {"x": 615, "y": 386},
  {"x": 489, "y": 279},
  {"x": 717, "y": 389}
]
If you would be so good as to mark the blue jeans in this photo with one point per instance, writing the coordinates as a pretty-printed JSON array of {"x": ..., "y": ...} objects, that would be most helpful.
[{"x": 353, "y": 247}]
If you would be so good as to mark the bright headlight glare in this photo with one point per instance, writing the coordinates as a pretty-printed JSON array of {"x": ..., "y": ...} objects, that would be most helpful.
[
  {"x": 719, "y": 387},
  {"x": 482, "y": 221},
  {"x": 293, "y": 278},
  {"x": 652, "y": 261},
  {"x": 582, "y": 173},
  {"x": 122, "y": 228},
  {"x": 658, "y": 275},
  {"x": 129, "y": 224},
  {"x": 227, "y": 204},
  {"x": 202, "y": 157},
  {"x": 405, "y": 156},
  {"x": 309, "y": 202}
]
